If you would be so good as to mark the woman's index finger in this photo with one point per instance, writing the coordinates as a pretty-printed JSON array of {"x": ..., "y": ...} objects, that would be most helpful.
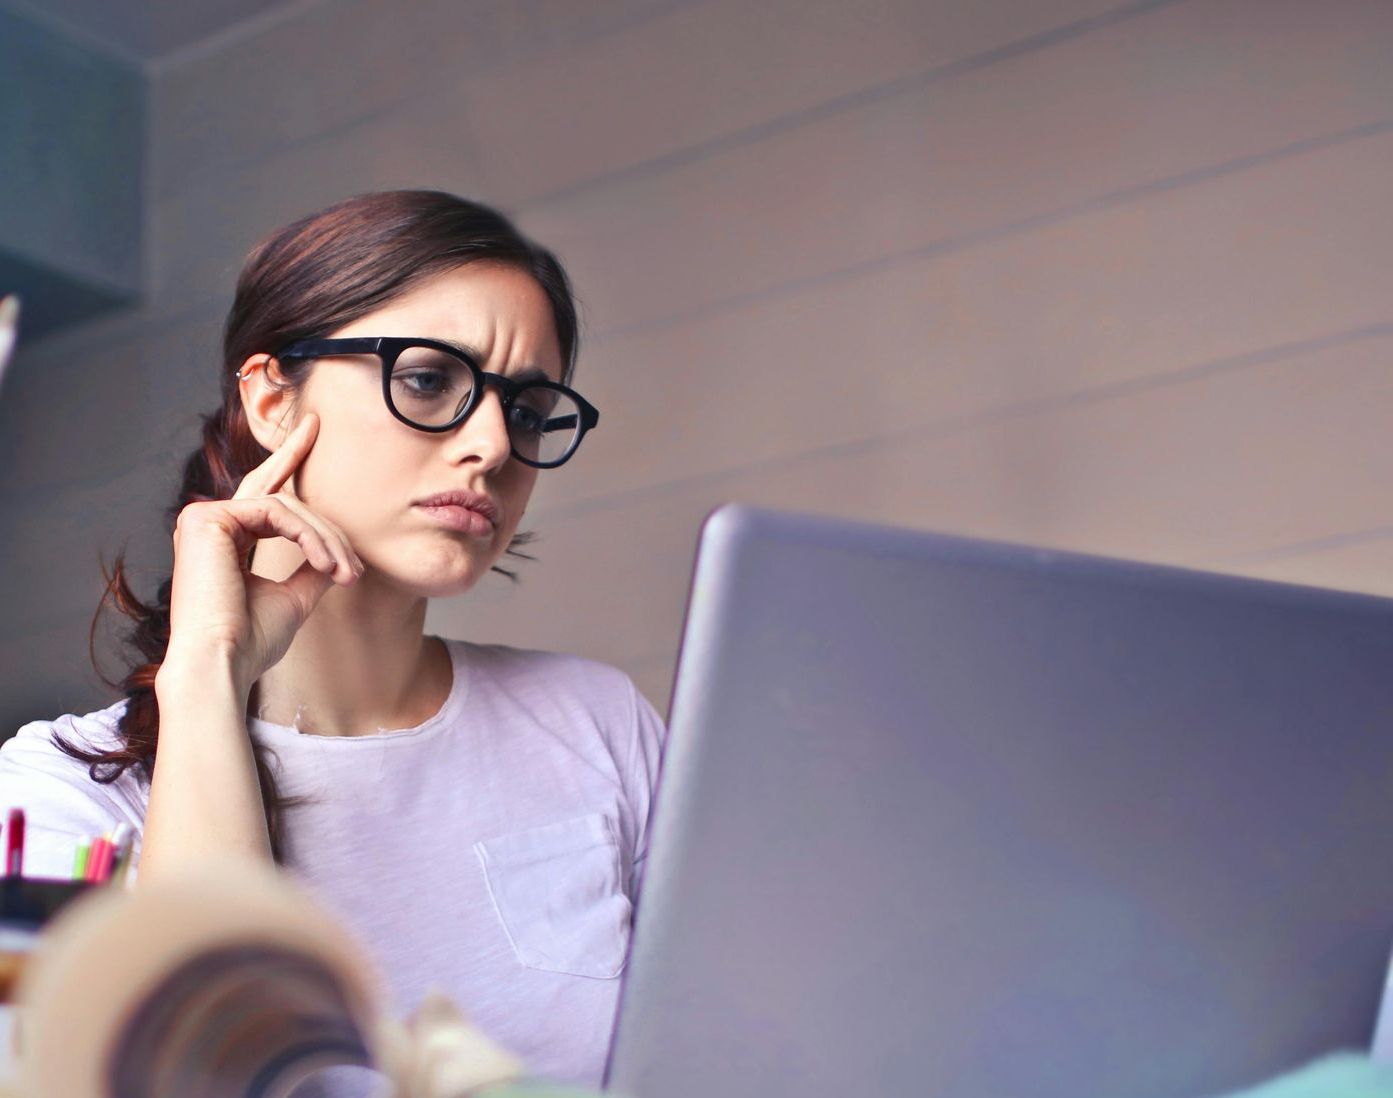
[{"x": 270, "y": 476}]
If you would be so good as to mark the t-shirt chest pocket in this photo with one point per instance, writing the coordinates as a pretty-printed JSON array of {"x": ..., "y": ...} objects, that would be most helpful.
[{"x": 558, "y": 893}]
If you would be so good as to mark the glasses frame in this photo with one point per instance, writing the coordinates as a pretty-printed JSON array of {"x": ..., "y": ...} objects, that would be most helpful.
[{"x": 389, "y": 348}]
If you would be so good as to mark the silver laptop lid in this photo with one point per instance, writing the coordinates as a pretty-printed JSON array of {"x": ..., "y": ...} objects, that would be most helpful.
[{"x": 943, "y": 817}]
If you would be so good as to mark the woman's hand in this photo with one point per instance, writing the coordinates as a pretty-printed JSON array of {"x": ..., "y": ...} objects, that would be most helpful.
[{"x": 218, "y": 609}]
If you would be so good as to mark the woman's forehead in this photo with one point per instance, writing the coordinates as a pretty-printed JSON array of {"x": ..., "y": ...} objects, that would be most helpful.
[{"x": 496, "y": 313}]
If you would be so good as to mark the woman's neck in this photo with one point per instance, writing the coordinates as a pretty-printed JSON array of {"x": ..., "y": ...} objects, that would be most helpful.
[{"x": 360, "y": 665}]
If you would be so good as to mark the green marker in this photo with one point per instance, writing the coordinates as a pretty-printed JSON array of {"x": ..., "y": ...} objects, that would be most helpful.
[{"x": 80, "y": 862}]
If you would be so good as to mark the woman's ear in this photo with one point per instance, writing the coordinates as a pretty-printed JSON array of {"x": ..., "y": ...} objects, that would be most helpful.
[{"x": 268, "y": 405}]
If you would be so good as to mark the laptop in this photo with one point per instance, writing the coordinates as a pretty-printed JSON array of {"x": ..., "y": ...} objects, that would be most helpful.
[{"x": 943, "y": 817}]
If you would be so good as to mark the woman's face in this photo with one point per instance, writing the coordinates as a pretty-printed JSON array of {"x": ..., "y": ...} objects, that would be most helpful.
[{"x": 368, "y": 472}]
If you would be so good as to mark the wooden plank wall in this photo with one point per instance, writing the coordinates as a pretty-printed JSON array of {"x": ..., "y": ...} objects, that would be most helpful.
[{"x": 1099, "y": 275}]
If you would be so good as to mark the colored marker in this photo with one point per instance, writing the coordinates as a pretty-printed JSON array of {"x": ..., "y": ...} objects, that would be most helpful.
[
  {"x": 14, "y": 846},
  {"x": 99, "y": 861},
  {"x": 80, "y": 861},
  {"x": 122, "y": 839}
]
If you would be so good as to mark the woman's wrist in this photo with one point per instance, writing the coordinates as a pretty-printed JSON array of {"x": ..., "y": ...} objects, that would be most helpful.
[{"x": 208, "y": 674}]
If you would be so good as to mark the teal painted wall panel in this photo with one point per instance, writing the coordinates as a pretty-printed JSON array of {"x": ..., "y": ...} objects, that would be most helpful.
[{"x": 72, "y": 151}]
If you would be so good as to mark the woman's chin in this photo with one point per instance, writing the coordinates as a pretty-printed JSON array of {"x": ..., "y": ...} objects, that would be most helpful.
[
  {"x": 431, "y": 570},
  {"x": 453, "y": 590},
  {"x": 443, "y": 583}
]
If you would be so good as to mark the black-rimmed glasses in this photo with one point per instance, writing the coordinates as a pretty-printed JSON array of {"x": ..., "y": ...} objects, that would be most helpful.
[{"x": 433, "y": 386}]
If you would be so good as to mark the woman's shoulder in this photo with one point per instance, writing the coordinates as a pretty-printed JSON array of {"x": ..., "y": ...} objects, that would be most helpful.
[
  {"x": 36, "y": 743},
  {"x": 559, "y": 670},
  {"x": 57, "y": 790},
  {"x": 560, "y": 683}
]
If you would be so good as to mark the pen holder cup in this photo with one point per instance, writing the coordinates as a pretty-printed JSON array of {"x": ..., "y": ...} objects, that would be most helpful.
[
  {"x": 35, "y": 900},
  {"x": 26, "y": 905}
]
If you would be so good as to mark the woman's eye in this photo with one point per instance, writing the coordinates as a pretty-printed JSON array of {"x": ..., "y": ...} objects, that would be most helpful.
[
  {"x": 425, "y": 382},
  {"x": 525, "y": 419}
]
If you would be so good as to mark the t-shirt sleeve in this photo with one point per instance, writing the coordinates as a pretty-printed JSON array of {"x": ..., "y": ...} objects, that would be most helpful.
[
  {"x": 63, "y": 805},
  {"x": 645, "y": 759}
]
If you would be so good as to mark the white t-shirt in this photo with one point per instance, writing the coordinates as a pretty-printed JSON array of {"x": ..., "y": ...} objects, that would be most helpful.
[{"x": 492, "y": 852}]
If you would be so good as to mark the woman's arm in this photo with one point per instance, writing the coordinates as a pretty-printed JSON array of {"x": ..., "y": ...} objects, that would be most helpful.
[
  {"x": 227, "y": 626},
  {"x": 205, "y": 803}
]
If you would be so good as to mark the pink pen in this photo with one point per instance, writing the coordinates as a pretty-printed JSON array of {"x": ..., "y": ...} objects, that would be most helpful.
[{"x": 99, "y": 861}]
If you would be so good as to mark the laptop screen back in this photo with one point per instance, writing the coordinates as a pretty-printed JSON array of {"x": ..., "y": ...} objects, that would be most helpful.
[{"x": 943, "y": 817}]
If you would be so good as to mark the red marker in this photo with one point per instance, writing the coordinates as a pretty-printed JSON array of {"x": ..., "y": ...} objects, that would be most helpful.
[{"x": 14, "y": 846}]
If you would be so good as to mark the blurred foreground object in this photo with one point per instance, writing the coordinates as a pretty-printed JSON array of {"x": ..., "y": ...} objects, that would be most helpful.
[{"x": 227, "y": 984}]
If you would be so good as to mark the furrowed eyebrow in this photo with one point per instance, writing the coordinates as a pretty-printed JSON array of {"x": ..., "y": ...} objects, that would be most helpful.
[
  {"x": 527, "y": 373},
  {"x": 464, "y": 349}
]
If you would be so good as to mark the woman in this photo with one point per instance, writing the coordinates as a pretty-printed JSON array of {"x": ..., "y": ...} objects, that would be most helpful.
[{"x": 396, "y": 376}]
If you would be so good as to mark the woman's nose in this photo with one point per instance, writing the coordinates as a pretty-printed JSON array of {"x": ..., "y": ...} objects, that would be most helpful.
[{"x": 484, "y": 433}]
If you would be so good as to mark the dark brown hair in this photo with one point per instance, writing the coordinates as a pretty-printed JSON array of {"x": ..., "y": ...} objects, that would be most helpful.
[{"x": 304, "y": 282}]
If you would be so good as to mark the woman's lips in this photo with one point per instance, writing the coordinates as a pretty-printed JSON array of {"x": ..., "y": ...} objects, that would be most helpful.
[{"x": 455, "y": 517}]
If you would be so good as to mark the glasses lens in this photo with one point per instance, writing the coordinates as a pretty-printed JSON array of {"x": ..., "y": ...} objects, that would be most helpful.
[
  {"x": 429, "y": 387},
  {"x": 543, "y": 423}
]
